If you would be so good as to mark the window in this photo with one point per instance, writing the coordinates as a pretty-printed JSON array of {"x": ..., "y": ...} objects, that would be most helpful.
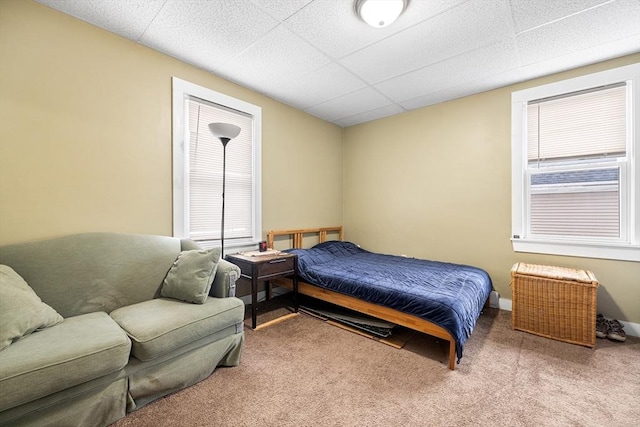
[
  {"x": 574, "y": 166},
  {"x": 197, "y": 168}
]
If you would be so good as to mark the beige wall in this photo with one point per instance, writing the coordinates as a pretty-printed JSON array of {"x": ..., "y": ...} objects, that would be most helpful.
[
  {"x": 85, "y": 145},
  {"x": 85, "y": 135},
  {"x": 435, "y": 183}
]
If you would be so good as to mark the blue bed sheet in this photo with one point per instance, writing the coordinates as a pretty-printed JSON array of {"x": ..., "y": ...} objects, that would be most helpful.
[{"x": 449, "y": 295}]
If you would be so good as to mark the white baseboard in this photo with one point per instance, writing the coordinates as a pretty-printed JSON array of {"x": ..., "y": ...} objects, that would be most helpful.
[
  {"x": 630, "y": 328},
  {"x": 505, "y": 304}
]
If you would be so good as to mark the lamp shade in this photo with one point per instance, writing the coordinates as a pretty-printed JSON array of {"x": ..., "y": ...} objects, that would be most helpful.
[
  {"x": 224, "y": 130},
  {"x": 380, "y": 13}
]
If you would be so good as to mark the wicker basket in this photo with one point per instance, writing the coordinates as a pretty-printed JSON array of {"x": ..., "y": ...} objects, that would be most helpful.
[{"x": 554, "y": 302}]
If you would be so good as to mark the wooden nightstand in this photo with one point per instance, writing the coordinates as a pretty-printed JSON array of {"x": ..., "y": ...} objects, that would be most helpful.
[{"x": 264, "y": 268}]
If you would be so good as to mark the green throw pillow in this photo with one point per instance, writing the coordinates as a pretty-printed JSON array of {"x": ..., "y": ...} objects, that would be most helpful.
[
  {"x": 191, "y": 275},
  {"x": 21, "y": 310}
]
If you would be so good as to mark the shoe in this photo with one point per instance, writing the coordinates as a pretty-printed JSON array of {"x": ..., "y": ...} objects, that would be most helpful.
[
  {"x": 602, "y": 326},
  {"x": 616, "y": 331}
]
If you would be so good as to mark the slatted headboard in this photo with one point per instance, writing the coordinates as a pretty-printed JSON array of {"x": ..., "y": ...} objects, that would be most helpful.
[{"x": 298, "y": 235}]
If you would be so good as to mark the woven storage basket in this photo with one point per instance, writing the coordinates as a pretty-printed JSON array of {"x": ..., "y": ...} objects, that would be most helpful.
[{"x": 554, "y": 302}]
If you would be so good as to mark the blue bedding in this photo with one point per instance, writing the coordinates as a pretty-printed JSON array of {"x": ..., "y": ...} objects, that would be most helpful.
[{"x": 449, "y": 295}]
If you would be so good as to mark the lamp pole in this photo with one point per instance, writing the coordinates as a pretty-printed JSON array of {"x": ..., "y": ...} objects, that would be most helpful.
[
  {"x": 224, "y": 141},
  {"x": 225, "y": 132}
]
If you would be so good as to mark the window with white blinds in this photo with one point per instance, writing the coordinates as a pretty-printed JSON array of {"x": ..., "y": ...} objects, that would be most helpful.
[
  {"x": 573, "y": 145},
  {"x": 569, "y": 139},
  {"x": 198, "y": 168},
  {"x": 205, "y": 174}
]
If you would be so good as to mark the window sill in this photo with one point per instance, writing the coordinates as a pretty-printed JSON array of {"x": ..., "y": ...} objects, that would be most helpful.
[
  {"x": 585, "y": 250},
  {"x": 236, "y": 246}
]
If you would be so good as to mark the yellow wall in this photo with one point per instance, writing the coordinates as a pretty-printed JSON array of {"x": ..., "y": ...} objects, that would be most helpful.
[
  {"x": 85, "y": 135},
  {"x": 436, "y": 183},
  {"x": 85, "y": 145}
]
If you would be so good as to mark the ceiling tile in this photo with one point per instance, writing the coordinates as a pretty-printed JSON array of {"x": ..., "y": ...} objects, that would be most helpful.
[
  {"x": 334, "y": 28},
  {"x": 323, "y": 84},
  {"x": 484, "y": 84},
  {"x": 368, "y": 116},
  {"x": 493, "y": 59},
  {"x": 281, "y": 9},
  {"x": 273, "y": 60},
  {"x": 530, "y": 14},
  {"x": 360, "y": 101},
  {"x": 460, "y": 29},
  {"x": 207, "y": 34},
  {"x": 128, "y": 19},
  {"x": 601, "y": 25},
  {"x": 579, "y": 58}
]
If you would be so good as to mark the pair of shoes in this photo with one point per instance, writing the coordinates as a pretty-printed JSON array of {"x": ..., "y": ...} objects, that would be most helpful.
[
  {"x": 616, "y": 331},
  {"x": 602, "y": 326},
  {"x": 609, "y": 328}
]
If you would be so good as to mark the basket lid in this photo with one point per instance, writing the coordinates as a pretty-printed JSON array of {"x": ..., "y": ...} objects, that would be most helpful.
[{"x": 554, "y": 272}]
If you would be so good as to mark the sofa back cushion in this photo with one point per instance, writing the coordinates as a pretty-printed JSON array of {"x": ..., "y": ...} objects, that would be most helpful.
[{"x": 90, "y": 272}]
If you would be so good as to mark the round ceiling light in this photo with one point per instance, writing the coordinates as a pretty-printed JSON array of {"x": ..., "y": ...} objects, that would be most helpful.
[{"x": 380, "y": 13}]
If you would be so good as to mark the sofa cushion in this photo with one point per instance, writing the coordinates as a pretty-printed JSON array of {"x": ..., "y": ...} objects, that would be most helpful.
[
  {"x": 162, "y": 325},
  {"x": 191, "y": 275},
  {"x": 75, "y": 351},
  {"x": 21, "y": 310}
]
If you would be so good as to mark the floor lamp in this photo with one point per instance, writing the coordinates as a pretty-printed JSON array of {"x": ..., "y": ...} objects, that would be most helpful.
[{"x": 225, "y": 132}]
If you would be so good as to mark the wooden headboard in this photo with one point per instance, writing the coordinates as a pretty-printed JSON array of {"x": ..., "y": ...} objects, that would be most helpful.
[{"x": 298, "y": 235}]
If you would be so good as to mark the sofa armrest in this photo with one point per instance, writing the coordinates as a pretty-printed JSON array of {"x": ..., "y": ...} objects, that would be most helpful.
[{"x": 224, "y": 284}]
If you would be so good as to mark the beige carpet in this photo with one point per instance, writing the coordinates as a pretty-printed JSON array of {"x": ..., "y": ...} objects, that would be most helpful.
[{"x": 305, "y": 372}]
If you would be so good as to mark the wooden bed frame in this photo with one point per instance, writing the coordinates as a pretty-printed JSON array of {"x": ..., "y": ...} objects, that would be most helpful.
[{"x": 381, "y": 312}]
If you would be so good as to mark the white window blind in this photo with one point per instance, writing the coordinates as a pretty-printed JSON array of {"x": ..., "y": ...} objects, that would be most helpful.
[
  {"x": 569, "y": 137},
  {"x": 205, "y": 174},
  {"x": 576, "y": 203},
  {"x": 587, "y": 124}
]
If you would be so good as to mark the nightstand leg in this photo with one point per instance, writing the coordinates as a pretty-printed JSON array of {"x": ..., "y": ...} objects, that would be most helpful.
[
  {"x": 295, "y": 293},
  {"x": 254, "y": 300}
]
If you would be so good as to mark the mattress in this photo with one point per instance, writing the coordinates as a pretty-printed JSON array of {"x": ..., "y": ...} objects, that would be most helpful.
[{"x": 449, "y": 295}]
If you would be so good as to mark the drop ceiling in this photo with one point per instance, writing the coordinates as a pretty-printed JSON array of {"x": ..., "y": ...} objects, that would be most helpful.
[{"x": 319, "y": 57}]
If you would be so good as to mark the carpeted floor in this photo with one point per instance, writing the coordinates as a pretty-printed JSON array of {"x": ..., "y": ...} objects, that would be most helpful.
[{"x": 305, "y": 372}]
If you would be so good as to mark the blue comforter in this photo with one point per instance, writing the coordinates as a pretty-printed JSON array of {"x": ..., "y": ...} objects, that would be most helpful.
[{"x": 449, "y": 295}]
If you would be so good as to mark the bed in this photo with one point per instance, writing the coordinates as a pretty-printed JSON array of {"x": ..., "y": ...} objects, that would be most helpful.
[{"x": 440, "y": 299}]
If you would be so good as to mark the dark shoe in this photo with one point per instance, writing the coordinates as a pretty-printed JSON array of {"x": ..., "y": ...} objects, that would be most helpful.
[
  {"x": 602, "y": 326},
  {"x": 616, "y": 331}
]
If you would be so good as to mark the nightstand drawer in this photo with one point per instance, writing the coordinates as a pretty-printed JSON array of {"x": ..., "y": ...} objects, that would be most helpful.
[{"x": 276, "y": 266}]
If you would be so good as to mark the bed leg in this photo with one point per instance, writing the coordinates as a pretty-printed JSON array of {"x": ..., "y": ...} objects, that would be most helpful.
[{"x": 452, "y": 355}]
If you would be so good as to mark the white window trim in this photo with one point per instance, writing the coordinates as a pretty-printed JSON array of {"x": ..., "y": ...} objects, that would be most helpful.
[
  {"x": 628, "y": 251},
  {"x": 182, "y": 90}
]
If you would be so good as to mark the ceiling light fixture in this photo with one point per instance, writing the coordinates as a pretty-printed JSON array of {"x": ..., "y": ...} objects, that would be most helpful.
[{"x": 380, "y": 13}]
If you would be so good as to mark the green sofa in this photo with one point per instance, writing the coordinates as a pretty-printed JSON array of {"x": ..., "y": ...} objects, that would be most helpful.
[{"x": 119, "y": 342}]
